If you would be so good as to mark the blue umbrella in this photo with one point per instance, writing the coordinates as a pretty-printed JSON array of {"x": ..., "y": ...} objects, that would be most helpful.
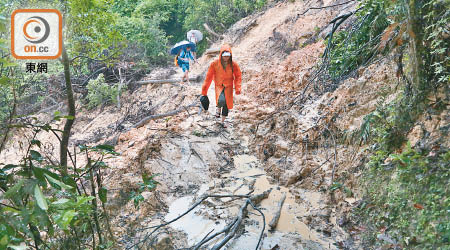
[{"x": 182, "y": 45}]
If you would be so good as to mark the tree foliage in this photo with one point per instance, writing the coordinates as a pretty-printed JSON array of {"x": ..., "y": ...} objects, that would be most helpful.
[
  {"x": 61, "y": 205},
  {"x": 91, "y": 28},
  {"x": 99, "y": 92},
  {"x": 405, "y": 188},
  {"x": 40, "y": 200}
]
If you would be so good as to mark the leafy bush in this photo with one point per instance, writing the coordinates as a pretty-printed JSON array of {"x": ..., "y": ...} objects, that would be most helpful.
[
  {"x": 409, "y": 198},
  {"x": 6, "y": 95},
  {"x": 388, "y": 124},
  {"x": 406, "y": 190},
  {"x": 153, "y": 24},
  {"x": 146, "y": 34},
  {"x": 41, "y": 206},
  {"x": 148, "y": 184},
  {"x": 93, "y": 28},
  {"x": 100, "y": 92},
  {"x": 171, "y": 15},
  {"x": 353, "y": 47},
  {"x": 406, "y": 193},
  {"x": 436, "y": 32},
  {"x": 219, "y": 15}
]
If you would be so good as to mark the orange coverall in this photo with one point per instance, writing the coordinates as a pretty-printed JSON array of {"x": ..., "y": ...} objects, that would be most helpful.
[{"x": 223, "y": 78}]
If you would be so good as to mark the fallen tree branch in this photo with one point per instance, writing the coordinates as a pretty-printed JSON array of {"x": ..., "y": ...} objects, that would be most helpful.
[
  {"x": 45, "y": 110},
  {"x": 319, "y": 8},
  {"x": 172, "y": 113},
  {"x": 273, "y": 223},
  {"x": 206, "y": 239},
  {"x": 91, "y": 75},
  {"x": 206, "y": 236},
  {"x": 155, "y": 81},
  {"x": 249, "y": 200},
  {"x": 121, "y": 82},
  {"x": 212, "y": 31},
  {"x": 212, "y": 51},
  {"x": 193, "y": 151},
  {"x": 264, "y": 225},
  {"x": 256, "y": 199},
  {"x": 314, "y": 170},
  {"x": 336, "y": 23}
]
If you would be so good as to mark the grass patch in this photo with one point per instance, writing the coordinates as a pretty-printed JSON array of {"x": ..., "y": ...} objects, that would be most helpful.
[{"x": 409, "y": 198}]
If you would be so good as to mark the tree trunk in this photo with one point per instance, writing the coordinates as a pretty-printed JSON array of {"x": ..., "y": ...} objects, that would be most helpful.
[
  {"x": 12, "y": 114},
  {"x": 69, "y": 122},
  {"x": 212, "y": 32},
  {"x": 415, "y": 31},
  {"x": 121, "y": 81}
]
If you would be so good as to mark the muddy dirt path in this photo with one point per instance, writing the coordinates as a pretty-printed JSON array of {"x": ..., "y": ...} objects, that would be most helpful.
[
  {"x": 205, "y": 158},
  {"x": 194, "y": 155}
]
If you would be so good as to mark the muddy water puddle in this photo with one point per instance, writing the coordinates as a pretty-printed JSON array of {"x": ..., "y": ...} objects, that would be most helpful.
[
  {"x": 290, "y": 232},
  {"x": 195, "y": 226}
]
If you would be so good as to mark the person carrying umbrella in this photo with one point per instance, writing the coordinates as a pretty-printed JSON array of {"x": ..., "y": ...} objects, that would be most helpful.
[
  {"x": 183, "y": 62},
  {"x": 183, "y": 53},
  {"x": 194, "y": 36},
  {"x": 226, "y": 75}
]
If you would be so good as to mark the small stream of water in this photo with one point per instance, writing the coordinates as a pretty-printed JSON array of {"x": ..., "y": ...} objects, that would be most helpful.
[{"x": 290, "y": 233}]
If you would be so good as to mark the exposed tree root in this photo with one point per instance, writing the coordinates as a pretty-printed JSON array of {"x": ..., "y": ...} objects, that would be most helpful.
[
  {"x": 171, "y": 113},
  {"x": 233, "y": 226}
]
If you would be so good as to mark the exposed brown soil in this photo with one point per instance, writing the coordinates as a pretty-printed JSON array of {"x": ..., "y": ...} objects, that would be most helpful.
[{"x": 291, "y": 149}]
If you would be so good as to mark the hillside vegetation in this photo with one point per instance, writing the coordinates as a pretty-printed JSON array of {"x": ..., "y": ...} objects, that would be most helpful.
[{"x": 344, "y": 118}]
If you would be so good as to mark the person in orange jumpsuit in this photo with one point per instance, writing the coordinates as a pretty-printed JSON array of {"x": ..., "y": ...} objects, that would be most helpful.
[{"x": 226, "y": 75}]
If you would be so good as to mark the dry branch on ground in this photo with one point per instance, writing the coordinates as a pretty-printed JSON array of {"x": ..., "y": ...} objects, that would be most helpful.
[
  {"x": 156, "y": 81},
  {"x": 159, "y": 116}
]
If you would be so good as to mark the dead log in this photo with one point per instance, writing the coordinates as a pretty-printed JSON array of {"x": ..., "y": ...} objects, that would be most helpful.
[
  {"x": 206, "y": 239},
  {"x": 320, "y": 8},
  {"x": 212, "y": 31},
  {"x": 273, "y": 223},
  {"x": 121, "y": 80},
  {"x": 212, "y": 51},
  {"x": 172, "y": 113},
  {"x": 236, "y": 32},
  {"x": 156, "y": 81},
  {"x": 253, "y": 200},
  {"x": 45, "y": 110}
]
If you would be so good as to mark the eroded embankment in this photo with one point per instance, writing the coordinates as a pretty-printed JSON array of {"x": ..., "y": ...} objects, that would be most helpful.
[{"x": 271, "y": 145}]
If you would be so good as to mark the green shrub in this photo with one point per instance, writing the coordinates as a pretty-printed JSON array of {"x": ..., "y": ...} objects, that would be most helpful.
[
  {"x": 145, "y": 33},
  {"x": 354, "y": 46},
  {"x": 99, "y": 92},
  {"x": 409, "y": 198},
  {"x": 406, "y": 190},
  {"x": 219, "y": 15},
  {"x": 148, "y": 185},
  {"x": 153, "y": 24},
  {"x": 37, "y": 199}
]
